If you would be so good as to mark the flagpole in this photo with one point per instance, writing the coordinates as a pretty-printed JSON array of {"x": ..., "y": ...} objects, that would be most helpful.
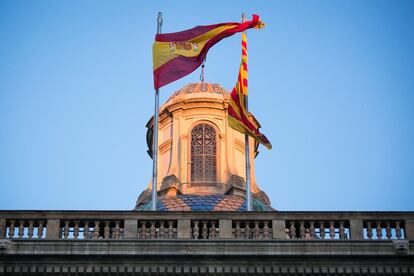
[
  {"x": 247, "y": 151},
  {"x": 155, "y": 135}
]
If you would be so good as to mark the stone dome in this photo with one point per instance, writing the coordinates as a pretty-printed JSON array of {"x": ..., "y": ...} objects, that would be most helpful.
[
  {"x": 191, "y": 90},
  {"x": 201, "y": 160}
]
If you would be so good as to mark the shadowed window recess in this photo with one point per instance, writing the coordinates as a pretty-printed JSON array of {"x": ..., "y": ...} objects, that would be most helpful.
[{"x": 203, "y": 154}]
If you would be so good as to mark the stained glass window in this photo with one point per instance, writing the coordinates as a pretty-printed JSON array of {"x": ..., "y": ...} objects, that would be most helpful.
[{"x": 203, "y": 153}]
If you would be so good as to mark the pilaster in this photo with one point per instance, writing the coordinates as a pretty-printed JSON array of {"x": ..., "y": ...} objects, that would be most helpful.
[
  {"x": 409, "y": 229},
  {"x": 3, "y": 227},
  {"x": 225, "y": 229},
  {"x": 184, "y": 229},
  {"x": 130, "y": 229},
  {"x": 278, "y": 229},
  {"x": 52, "y": 229},
  {"x": 356, "y": 229}
]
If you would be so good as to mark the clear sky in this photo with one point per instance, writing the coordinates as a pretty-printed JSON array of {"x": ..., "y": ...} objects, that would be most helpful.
[{"x": 330, "y": 81}]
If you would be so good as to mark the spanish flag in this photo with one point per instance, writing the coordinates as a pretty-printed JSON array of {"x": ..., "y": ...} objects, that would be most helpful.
[
  {"x": 175, "y": 55},
  {"x": 238, "y": 117}
]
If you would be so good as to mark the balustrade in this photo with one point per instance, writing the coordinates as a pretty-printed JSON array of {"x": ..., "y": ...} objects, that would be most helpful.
[
  {"x": 255, "y": 230},
  {"x": 157, "y": 229},
  {"x": 204, "y": 229},
  {"x": 91, "y": 229},
  {"x": 106, "y": 225},
  {"x": 26, "y": 229},
  {"x": 317, "y": 229},
  {"x": 384, "y": 229}
]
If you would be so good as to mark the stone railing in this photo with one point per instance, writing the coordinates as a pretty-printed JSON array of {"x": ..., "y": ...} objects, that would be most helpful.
[
  {"x": 157, "y": 229},
  {"x": 91, "y": 229},
  {"x": 113, "y": 225}
]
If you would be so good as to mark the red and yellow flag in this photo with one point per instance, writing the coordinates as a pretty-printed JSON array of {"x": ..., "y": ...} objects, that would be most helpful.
[
  {"x": 176, "y": 55},
  {"x": 238, "y": 117}
]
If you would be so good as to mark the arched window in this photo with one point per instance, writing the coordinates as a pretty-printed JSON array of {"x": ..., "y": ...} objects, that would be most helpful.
[{"x": 203, "y": 153}]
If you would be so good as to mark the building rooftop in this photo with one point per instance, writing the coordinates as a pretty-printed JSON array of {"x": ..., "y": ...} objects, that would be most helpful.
[{"x": 205, "y": 203}]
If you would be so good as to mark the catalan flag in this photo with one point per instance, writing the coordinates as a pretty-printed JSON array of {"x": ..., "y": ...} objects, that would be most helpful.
[
  {"x": 176, "y": 55},
  {"x": 238, "y": 117}
]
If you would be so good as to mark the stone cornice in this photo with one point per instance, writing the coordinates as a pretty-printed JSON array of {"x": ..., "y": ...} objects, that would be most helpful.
[{"x": 290, "y": 248}]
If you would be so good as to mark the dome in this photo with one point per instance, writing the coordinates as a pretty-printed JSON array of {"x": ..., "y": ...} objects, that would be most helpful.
[
  {"x": 210, "y": 90},
  {"x": 201, "y": 160}
]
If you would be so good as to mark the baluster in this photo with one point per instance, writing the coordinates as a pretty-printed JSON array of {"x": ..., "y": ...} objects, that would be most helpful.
[
  {"x": 30, "y": 229},
  {"x": 140, "y": 232},
  {"x": 332, "y": 230},
  {"x": 96, "y": 230},
  {"x": 242, "y": 230},
  {"x": 204, "y": 230},
  {"x": 152, "y": 230},
  {"x": 40, "y": 230},
  {"x": 322, "y": 229},
  {"x": 144, "y": 234},
  {"x": 302, "y": 230},
  {"x": 369, "y": 230},
  {"x": 266, "y": 232},
  {"x": 341, "y": 230},
  {"x": 117, "y": 231},
  {"x": 107, "y": 230},
  {"x": 256, "y": 231},
  {"x": 162, "y": 229},
  {"x": 195, "y": 230},
  {"x": 388, "y": 230},
  {"x": 213, "y": 230},
  {"x": 66, "y": 230},
  {"x": 11, "y": 229},
  {"x": 170, "y": 229},
  {"x": 379, "y": 230},
  {"x": 237, "y": 230},
  {"x": 76, "y": 230},
  {"x": 398, "y": 230},
  {"x": 245, "y": 231},
  {"x": 312, "y": 230},
  {"x": 251, "y": 228},
  {"x": 21, "y": 229},
  {"x": 166, "y": 231},
  {"x": 287, "y": 236},
  {"x": 292, "y": 230},
  {"x": 86, "y": 230},
  {"x": 148, "y": 230}
]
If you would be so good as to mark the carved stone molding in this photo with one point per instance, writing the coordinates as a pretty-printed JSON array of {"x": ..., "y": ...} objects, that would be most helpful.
[
  {"x": 205, "y": 268},
  {"x": 401, "y": 247},
  {"x": 4, "y": 245}
]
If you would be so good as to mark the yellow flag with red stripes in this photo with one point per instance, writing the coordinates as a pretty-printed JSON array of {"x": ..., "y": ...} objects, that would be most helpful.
[{"x": 238, "y": 116}]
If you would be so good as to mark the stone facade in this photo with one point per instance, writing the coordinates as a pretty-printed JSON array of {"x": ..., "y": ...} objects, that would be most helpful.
[{"x": 206, "y": 243}]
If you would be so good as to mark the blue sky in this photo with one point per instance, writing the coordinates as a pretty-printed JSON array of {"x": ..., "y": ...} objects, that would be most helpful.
[{"x": 330, "y": 81}]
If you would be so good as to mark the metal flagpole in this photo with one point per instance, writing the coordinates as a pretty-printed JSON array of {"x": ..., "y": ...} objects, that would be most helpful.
[
  {"x": 155, "y": 135},
  {"x": 247, "y": 151}
]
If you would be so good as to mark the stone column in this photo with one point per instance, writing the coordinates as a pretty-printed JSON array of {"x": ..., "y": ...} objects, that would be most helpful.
[
  {"x": 130, "y": 229},
  {"x": 279, "y": 227},
  {"x": 356, "y": 229},
  {"x": 52, "y": 229},
  {"x": 409, "y": 229},
  {"x": 225, "y": 226},
  {"x": 184, "y": 229},
  {"x": 2, "y": 228}
]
